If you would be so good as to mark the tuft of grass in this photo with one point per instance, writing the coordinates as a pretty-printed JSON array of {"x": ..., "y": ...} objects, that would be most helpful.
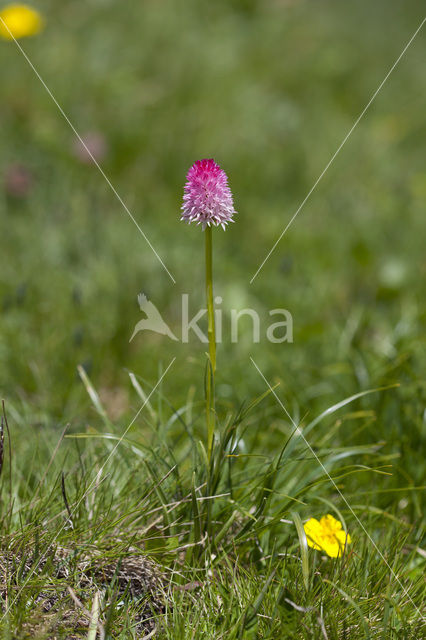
[{"x": 230, "y": 562}]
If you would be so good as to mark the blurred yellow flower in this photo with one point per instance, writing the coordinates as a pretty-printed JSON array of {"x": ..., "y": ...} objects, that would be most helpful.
[
  {"x": 18, "y": 21},
  {"x": 326, "y": 535}
]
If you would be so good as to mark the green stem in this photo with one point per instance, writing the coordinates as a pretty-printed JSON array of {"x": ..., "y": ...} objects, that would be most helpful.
[{"x": 210, "y": 417}]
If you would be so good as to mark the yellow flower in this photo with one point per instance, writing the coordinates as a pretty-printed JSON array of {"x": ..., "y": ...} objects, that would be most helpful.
[
  {"x": 19, "y": 21},
  {"x": 326, "y": 535}
]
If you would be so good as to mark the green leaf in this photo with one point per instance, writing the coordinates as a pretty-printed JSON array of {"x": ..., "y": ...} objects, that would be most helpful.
[{"x": 303, "y": 548}]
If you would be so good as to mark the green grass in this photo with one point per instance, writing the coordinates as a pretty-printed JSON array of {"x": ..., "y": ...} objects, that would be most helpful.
[
  {"x": 250, "y": 577},
  {"x": 269, "y": 89}
]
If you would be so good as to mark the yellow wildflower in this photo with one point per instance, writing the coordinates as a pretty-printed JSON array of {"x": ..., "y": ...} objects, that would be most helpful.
[
  {"x": 18, "y": 21},
  {"x": 327, "y": 535}
]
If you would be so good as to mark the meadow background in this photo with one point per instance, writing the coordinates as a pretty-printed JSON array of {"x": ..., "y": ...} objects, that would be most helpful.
[{"x": 269, "y": 88}]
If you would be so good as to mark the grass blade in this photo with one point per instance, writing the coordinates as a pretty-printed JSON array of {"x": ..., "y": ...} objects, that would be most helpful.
[
  {"x": 303, "y": 548},
  {"x": 94, "y": 619}
]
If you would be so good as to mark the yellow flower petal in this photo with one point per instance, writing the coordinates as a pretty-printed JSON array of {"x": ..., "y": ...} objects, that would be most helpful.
[
  {"x": 19, "y": 21},
  {"x": 313, "y": 532},
  {"x": 327, "y": 535},
  {"x": 330, "y": 524}
]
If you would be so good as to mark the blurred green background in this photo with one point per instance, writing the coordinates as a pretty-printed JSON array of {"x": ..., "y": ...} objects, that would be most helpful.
[{"x": 269, "y": 88}]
